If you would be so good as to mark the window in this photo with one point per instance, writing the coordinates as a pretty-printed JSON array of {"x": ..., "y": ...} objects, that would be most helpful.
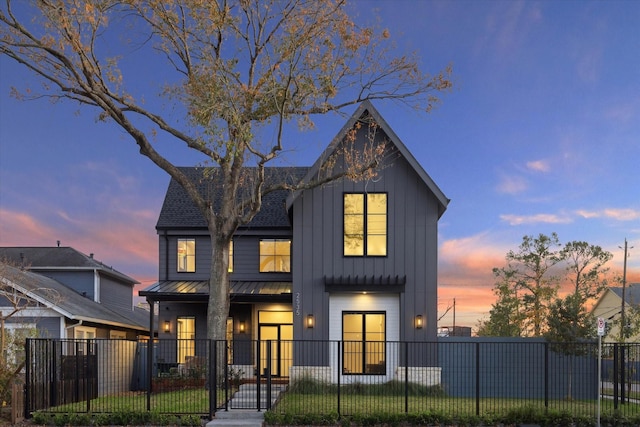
[
  {"x": 186, "y": 333},
  {"x": 365, "y": 224},
  {"x": 15, "y": 335},
  {"x": 230, "y": 269},
  {"x": 186, "y": 255},
  {"x": 275, "y": 256},
  {"x": 363, "y": 336},
  {"x": 229, "y": 338}
]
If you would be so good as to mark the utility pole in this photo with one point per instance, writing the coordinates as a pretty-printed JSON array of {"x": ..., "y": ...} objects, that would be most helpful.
[
  {"x": 454, "y": 316},
  {"x": 623, "y": 321}
]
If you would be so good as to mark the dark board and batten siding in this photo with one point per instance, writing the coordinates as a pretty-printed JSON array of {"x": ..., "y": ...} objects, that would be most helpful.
[{"x": 412, "y": 242}]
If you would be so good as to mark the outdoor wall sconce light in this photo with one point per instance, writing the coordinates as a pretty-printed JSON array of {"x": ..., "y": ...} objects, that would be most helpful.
[
  {"x": 167, "y": 326},
  {"x": 241, "y": 327},
  {"x": 419, "y": 322},
  {"x": 310, "y": 321}
]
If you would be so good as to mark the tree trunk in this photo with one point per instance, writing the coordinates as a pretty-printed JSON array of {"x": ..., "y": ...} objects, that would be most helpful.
[{"x": 218, "y": 307}]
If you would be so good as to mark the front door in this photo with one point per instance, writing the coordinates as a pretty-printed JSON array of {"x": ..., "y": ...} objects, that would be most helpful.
[{"x": 275, "y": 328}]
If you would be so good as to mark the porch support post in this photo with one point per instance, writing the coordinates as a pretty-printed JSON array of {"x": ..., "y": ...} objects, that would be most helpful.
[{"x": 152, "y": 307}]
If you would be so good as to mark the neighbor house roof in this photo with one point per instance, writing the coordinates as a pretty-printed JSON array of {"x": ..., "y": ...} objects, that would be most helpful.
[
  {"x": 58, "y": 258},
  {"x": 179, "y": 211},
  {"x": 631, "y": 294},
  {"x": 68, "y": 302}
]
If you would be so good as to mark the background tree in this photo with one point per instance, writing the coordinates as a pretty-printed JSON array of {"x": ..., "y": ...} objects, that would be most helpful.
[
  {"x": 570, "y": 324},
  {"x": 531, "y": 279},
  {"x": 506, "y": 319},
  {"x": 235, "y": 69}
]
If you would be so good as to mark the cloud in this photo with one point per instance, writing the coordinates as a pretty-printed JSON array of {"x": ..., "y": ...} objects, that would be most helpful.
[
  {"x": 469, "y": 261},
  {"x": 536, "y": 219},
  {"x": 622, "y": 214},
  {"x": 618, "y": 214},
  {"x": 128, "y": 243},
  {"x": 538, "y": 166},
  {"x": 512, "y": 185}
]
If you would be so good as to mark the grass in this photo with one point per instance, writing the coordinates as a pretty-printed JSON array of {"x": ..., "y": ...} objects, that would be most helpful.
[
  {"x": 306, "y": 397},
  {"x": 190, "y": 401}
]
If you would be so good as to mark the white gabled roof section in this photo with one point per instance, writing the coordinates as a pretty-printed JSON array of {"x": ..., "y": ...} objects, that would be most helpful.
[{"x": 363, "y": 108}]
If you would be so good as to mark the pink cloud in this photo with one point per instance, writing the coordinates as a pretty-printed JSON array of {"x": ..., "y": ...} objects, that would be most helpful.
[
  {"x": 129, "y": 245},
  {"x": 512, "y": 185},
  {"x": 538, "y": 166},
  {"x": 536, "y": 219},
  {"x": 469, "y": 261}
]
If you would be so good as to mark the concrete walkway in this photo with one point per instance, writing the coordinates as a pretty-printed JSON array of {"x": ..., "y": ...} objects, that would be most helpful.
[{"x": 243, "y": 410}]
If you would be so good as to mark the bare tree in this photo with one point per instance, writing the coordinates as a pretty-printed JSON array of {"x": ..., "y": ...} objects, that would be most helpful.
[
  {"x": 12, "y": 339},
  {"x": 235, "y": 68}
]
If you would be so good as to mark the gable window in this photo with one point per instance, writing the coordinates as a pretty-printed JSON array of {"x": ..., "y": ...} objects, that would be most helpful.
[
  {"x": 363, "y": 335},
  {"x": 186, "y": 255},
  {"x": 186, "y": 334},
  {"x": 275, "y": 256},
  {"x": 365, "y": 224}
]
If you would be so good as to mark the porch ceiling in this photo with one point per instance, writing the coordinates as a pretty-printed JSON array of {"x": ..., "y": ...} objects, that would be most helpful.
[{"x": 198, "y": 290}]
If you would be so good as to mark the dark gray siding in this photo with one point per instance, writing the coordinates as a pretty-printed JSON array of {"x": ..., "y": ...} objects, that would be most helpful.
[
  {"x": 80, "y": 281},
  {"x": 168, "y": 245},
  {"x": 412, "y": 247},
  {"x": 49, "y": 327},
  {"x": 246, "y": 256},
  {"x": 116, "y": 295}
]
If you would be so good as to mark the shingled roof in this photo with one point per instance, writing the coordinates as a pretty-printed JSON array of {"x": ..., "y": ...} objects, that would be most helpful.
[
  {"x": 51, "y": 258},
  {"x": 632, "y": 293},
  {"x": 179, "y": 211},
  {"x": 69, "y": 303}
]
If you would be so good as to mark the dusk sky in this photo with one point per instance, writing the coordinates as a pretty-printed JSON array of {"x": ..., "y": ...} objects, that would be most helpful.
[{"x": 541, "y": 134}]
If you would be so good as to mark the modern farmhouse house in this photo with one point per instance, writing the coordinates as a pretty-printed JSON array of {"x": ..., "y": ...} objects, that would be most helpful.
[{"x": 349, "y": 262}]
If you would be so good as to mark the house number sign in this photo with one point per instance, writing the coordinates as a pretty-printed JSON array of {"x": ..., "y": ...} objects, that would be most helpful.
[{"x": 298, "y": 303}]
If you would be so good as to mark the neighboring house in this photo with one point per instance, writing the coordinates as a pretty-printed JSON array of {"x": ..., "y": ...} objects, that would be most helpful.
[
  {"x": 70, "y": 294},
  {"x": 609, "y": 307},
  {"x": 344, "y": 261}
]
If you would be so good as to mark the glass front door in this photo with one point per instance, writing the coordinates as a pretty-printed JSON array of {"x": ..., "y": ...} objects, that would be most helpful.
[{"x": 275, "y": 332}]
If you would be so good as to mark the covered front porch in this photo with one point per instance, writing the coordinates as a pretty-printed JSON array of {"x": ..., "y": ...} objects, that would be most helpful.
[{"x": 259, "y": 312}]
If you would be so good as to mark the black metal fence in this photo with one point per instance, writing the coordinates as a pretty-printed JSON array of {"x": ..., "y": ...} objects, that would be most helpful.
[{"x": 450, "y": 376}]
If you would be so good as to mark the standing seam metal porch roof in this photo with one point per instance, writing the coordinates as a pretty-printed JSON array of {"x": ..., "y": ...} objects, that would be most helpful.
[{"x": 191, "y": 290}]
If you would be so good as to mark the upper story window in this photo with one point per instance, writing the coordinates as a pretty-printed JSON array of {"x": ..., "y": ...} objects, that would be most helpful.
[
  {"x": 230, "y": 269},
  {"x": 186, "y": 255},
  {"x": 275, "y": 256},
  {"x": 365, "y": 224}
]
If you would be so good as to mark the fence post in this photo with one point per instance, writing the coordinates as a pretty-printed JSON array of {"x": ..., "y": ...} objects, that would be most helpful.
[
  {"x": 477, "y": 378},
  {"x": 149, "y": 368},
  {"x": 88, "y": 380},
  {"x": 406, "y": 377},
  {"x": 623, "y": 358},
  {"x": 268, "y": 374},
  {"x": 258, "y": 377},
  {"x": 339, "y": 372},
  {"x": 615, "y": 376},
  {"x": 213, "y": 378},
  {"x": 27, "y": 377},
  {"x": 546, "y": 377}
]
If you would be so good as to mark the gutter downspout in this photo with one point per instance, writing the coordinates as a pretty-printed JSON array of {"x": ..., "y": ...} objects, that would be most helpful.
[{"x": 73, "y": 326}]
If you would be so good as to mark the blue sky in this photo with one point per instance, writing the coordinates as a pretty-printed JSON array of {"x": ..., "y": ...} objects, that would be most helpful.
[{"x": 540, "y": 134}]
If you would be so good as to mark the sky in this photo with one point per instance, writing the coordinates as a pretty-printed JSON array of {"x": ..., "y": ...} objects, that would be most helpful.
[{"x": 540, "y": 134}]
